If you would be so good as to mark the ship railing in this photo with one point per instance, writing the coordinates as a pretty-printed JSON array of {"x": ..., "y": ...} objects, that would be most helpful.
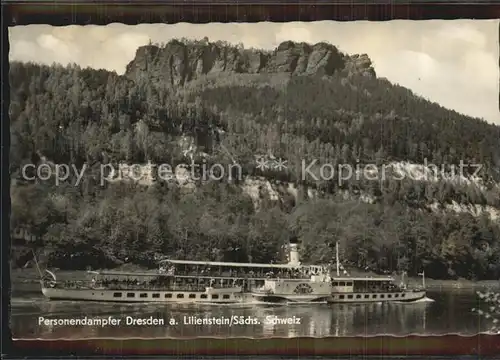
[
  {"x": 285, "y": 274},
  {"x": 157, "y": 283},
  {"x": 208, "y": 276},
  {"x": 240, "y": 275},
  {"x": 375, "y": 290}
]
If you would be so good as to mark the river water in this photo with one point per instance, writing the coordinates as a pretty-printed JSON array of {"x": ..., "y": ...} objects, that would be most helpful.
[{"x": 443, "y": 312}]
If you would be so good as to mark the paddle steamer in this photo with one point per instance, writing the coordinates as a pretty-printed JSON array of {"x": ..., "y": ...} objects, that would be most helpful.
[
  {"x": 180, "y": 281},
  {"x": 185, "y": 281}
]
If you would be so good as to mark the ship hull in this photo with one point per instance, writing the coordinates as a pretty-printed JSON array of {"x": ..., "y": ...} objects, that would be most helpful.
[
  {"x": 137, "y": 296},
  {"x": 403, "y": 296},
  {"x": 141, "y": 296},
  {"x": 289, "y": 298}
]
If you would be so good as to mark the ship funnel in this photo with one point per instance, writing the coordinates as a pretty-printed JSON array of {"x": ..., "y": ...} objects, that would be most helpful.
[{"x": 293, "y": 254}]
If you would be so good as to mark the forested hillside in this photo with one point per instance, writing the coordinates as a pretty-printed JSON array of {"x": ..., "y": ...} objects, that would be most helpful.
[{"x": 212, "y": 103}]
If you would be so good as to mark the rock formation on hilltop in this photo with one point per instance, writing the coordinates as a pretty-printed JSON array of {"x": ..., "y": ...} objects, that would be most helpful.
[{"x": 179, "y": 62}]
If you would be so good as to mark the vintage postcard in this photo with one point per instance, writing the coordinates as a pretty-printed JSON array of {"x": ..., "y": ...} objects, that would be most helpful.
[{"x": 255, "y": 180}]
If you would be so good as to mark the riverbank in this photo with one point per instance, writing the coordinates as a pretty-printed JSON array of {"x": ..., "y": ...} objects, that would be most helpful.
[{"x": 454, "y": 284}]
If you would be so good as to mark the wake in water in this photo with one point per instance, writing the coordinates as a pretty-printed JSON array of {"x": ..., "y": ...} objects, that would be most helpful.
[
  {"x": 419, "y": 301},
  {"x": 424, "y": 300},
  {"x": 25, "y": 301}
]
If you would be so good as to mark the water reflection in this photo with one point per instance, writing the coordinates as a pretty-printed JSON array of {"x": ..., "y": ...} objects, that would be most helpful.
[{"x": 317, "y": 320}]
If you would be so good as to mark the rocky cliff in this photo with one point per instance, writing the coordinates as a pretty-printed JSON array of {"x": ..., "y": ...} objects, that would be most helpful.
[{"x": 176, "y": 62}]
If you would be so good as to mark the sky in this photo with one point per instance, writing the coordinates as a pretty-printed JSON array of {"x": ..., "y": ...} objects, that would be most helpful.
[{"x": 452, "y": 62}]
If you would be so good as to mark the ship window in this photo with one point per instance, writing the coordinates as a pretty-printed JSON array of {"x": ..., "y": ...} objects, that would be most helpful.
[
  {"x": 382, "y": 296},
  {"x": 389, "y": 296},
  {"x": 367, "y": 296},
  {"x": 117, "y": 295},
  {"x": 349, "y": 284},
  {"x": 374, "y": 296},
  {"x": 341, "y": 283},
  {"x": 215, "y": 296},
  {"x": 341, "y": 297},
  {"x": 396, "y": 295},
  {"x": 349, "y": 296},
  {"x": 335, "y": 283},
  {"x": 192, "y": 296},
  {"x": 168, "y": 296},
  {"x": 225, "y": 296},
  {"x": 143, "y": 295},
  {"x": 130, "y": 295},
  {"x": 156, "y": 296},
  {"x": 358, "y": 296},
  {"x": 180, "y": 296},
  {"x": 203, "y": 296},
  {"x": 403, "y": 295}
]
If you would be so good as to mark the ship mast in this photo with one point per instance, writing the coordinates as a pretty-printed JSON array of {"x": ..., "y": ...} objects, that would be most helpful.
[
  {"x": 337, "y": 261},
  {"x": 36, "y": 263}
]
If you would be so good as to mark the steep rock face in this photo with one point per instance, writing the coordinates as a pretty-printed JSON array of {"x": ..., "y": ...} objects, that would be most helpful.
[
  {"x": 360, "y": 64},
  {"x": 177, "y": 62}
]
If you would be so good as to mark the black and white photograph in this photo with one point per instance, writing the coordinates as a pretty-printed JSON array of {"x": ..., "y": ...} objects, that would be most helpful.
[{"x": 255, "y": 180}]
